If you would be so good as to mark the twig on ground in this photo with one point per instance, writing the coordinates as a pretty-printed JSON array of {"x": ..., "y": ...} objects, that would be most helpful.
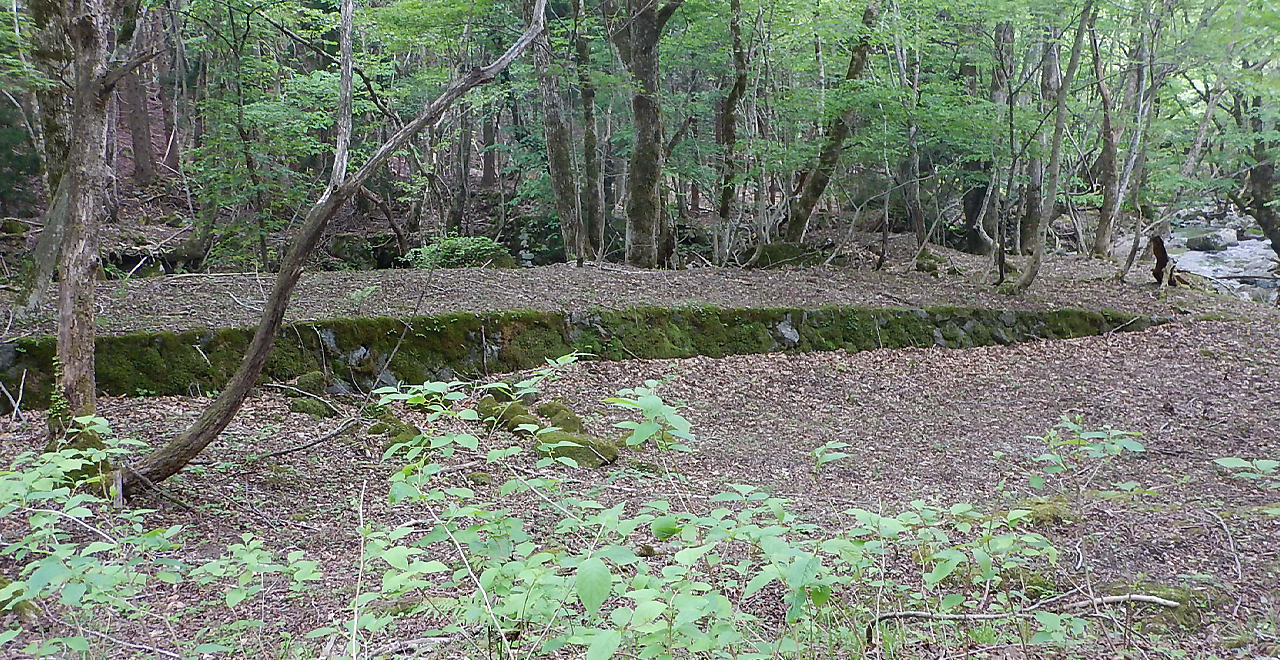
[
  {"x": 1122, "y": 326},
  {"x": 1019, "y": 614},
  {"x": 1231, "y": 543},
  {"x": 346, "y": 423},
  {"x": 303, "y": 393},
  {"x": 417, "y": 644},
  {"x": 154, "y": 486},
  {"x": 121, "y": 642}
]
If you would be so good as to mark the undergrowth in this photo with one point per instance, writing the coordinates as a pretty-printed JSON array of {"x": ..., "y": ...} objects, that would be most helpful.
[{"x": 738, "y": 575}]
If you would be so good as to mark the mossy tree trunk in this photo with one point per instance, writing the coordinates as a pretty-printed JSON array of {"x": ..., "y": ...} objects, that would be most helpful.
[
  {"x": 837, "y": 130},
  {"x": 88, "y": 30},
  {"x": 1060, "y": 89},
  {"x": 637, "y": 36},
  {"x": 171, "y": 458},
  {"x": 564, "y": 187}
]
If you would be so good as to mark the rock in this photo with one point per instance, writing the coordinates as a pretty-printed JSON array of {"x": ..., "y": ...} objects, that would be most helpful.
[
  {"x": 1214, "y": 241},
  {"x": 561, "y": 416},
  {"x": 353, "y": 249},
  {"x": 312, "y": 382},
  {"x": 396, "y": 430},
  {"x": 311, "y": 407},
  {"x": 480, "y": 478},
  {"x": 13, "y": 227},
  {"x": 510, "y": 415},
  {"x": 585, "y": 451}
]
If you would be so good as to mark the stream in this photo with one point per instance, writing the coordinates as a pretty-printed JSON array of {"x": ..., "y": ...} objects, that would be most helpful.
[{"x": 1230, "y": 250}]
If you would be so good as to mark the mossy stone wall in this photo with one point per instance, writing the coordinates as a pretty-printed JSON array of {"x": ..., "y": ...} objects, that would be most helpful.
[{"x": 363, "y": 353}]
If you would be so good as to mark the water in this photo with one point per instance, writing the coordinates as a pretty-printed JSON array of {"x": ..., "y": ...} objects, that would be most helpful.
[{"x": 1245, "y": 269}]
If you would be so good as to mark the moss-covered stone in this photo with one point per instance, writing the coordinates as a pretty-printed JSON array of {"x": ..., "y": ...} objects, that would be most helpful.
[
  {"x": 312, "y": 382},
  {"x": 1193, "y": 605},
  {"x": 1047, "y": 512},
  {"x": 561, "y": 416},
  {"x": 13, "y": 227},
  {"x": 480, "y": 478},
  {"x": 395, "y": 430},
  {"x": 583, "y": 450},
  {"x": 368, "y": 352},
  {"x": 311, "y": 407},
  {"x": 25, "y": 610}
]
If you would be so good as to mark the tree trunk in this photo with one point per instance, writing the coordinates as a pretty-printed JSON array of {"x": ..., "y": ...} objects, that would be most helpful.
[
  {"x": 1062, "y": 89},
  {"x": 727, "y": 133},
  {"x": 589, "y": 205},
  {"x": 78, "y": 200},
  {"x": 564, "y": 188},
  {"x": 1109, "y": 157},
  {"x": 489, "y": 138},
  {"x": 171, "y": 458},
  {"x": 139, "y": 120},
  {"x": 637, "y": 38},
  {"x": 837, "y": 130}
]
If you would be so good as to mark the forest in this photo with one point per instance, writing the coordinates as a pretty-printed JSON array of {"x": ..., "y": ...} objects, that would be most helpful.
[{"x": 643, "y": 329}]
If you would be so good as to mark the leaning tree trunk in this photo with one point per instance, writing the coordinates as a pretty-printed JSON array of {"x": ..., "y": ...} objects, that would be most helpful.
[
  {"x": 171, "y": 458},
  {"x": 1055, "y": 149},
  {"x": 837, "y": 130}
]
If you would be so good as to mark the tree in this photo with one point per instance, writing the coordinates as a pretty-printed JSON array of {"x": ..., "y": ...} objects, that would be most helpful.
[
  {"x": 171, "y": 458},
  {"x": 837, "y": 130},
  {"x": 1061, "y": 90},
  {"x": 636, "y": 34}
]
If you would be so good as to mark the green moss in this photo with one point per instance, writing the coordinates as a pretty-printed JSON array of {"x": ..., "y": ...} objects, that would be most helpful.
[
  {"x": 1193, "y": 605},
  {"x": 369, "y": 352},
  {"x": 561, "y": 416},
  {"x": 480, "y": 478},
  {"x": 24, "y": 609},
  {"x": 1047, "y": 512},
  {"x": 311, "y": 407},
  {"x": 585, "y": 451},
  {"x": 312, "y": 382}
]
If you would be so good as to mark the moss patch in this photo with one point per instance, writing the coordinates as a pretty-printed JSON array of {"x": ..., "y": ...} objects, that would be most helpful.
[
  {"x": 366, "y": 353},
  {"x": 561, "y": 416},
  {"x": 583, "y": 450},
  {"x": 312, "y": 382},
  {"x": 1194, "y": 604},
  {"x": 311, "y": 407}
]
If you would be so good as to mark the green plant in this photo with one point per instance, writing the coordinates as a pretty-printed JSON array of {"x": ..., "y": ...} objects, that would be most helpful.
[
  {"x": 1265, "y": 472},
  {"x": 662, "y": 421},
  {"x": 1076, "y": 455},
  {"x": 359, "y": 296},
  {"x": 827, "y": 453},
  {"x": 460, "y": 252}
]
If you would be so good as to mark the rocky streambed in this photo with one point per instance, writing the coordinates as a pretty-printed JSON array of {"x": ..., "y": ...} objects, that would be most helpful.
[{"x": 1229, "y": 249}]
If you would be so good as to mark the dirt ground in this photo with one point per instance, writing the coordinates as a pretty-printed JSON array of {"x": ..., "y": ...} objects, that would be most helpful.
[
  {"x": 180, "y": 302},
  {"x": 921, "y": 424}
]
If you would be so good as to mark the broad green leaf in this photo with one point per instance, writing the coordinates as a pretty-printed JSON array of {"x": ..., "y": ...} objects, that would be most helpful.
[
  {"x": 593, "y": 584},
  {"x": 604, "y": 644}
]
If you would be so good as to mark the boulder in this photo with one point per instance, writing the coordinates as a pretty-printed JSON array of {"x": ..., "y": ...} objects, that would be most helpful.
[{"x": 1214, "y": 241}]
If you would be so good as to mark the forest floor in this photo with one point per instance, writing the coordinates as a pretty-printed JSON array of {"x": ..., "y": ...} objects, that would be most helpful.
[
  {"x": 934, "y": 425},
  {"x": 180, "y": 302}
]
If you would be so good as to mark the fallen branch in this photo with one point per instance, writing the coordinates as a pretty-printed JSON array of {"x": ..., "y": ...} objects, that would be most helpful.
[
  {"x": 1231, "y": 542},
  {"x": 1020, "y": 614},
  {"x": 346, "y": 424},
  {"x": 303, "y": 393}
]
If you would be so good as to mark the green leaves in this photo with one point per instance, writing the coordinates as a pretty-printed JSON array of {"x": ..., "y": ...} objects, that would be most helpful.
[{"x": 593, "y": 583}]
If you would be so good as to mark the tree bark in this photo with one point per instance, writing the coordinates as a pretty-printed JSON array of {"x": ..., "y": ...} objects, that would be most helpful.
[
  {"x": 1062, "y": 90},
  {"x": 1108, "y": 159},
  {"x": 139, "y": 121},
  {"x": 589, "y": 197},
  {"x": 837, "y": 130},
  {"x": 637, "y": 38},
  {"x": 564, "y": 188},
  {"x": 171, "y": 458},
  {"x": 727, "y": 133}
]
